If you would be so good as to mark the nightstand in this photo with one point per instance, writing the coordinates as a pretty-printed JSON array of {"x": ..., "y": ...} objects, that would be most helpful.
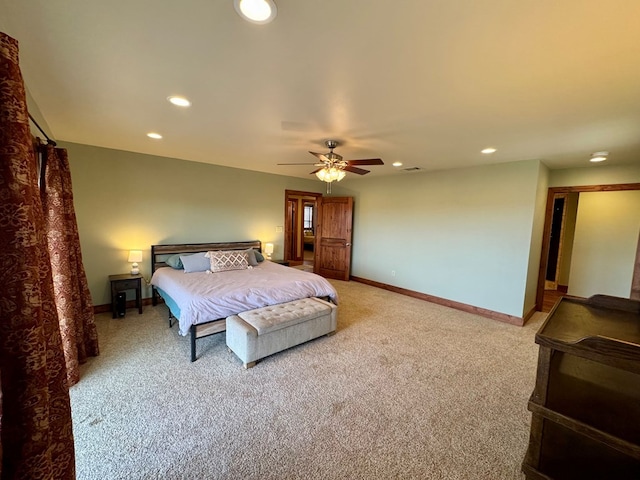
[
  {"x": 282, "y": 262},
  {"x": 123, "y": 282}
]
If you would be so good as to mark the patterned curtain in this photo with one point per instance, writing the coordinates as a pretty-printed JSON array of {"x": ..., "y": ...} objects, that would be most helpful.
[
  {"x": 36, "y": 435},
  {"x": 73, "y": 299}
]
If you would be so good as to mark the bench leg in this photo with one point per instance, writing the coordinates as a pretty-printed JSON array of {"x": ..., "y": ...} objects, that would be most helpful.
[{"x": 249, "y": 365}]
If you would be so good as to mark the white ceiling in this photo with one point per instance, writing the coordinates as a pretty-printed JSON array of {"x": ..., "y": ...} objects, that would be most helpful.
[{"x": 425, "y": 82}]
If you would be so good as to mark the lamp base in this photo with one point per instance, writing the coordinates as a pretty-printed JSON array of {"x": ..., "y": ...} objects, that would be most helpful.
[{"x": 134, "y": 269}]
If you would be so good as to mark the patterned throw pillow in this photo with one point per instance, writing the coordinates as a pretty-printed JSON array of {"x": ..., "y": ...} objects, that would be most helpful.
[{"x": 225, "y": 260}]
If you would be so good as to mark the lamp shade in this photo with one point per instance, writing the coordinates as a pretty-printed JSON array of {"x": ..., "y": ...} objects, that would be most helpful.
[
  {"x": 135, "y": 256},
  {"x": 268, "y": 248}
]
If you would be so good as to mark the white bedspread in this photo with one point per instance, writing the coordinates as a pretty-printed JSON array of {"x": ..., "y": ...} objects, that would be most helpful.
[{"x": 203, "y": 297}]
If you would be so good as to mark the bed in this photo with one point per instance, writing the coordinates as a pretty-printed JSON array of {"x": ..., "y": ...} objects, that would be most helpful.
[{"x": 200, "y": 302}]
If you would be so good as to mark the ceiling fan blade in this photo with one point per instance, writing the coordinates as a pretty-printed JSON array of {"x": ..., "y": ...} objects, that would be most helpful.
[
  {"x": 367, "y": 161},
  {"x": 307, "y": 163},
  {"x": 359, "y": 171},
  {"x": 316, "y": 170},
  {"x": 321, "y": 156}
]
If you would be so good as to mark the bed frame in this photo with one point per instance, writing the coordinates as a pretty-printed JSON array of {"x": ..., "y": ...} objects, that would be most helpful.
[{"x": 159, "y": 255}]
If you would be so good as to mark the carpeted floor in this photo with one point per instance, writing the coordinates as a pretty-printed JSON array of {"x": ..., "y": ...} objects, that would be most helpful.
[{"x": 405, "y": 389}]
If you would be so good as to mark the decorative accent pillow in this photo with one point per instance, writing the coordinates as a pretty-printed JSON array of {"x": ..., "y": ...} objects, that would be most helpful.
[
  {"x": 251, "y": 257},
  {"x": 195, "y": 263},
  {"x": 259, "y": 256},
  {"x": 174, "y": 261},
  {"x": 225, "y": 260}
]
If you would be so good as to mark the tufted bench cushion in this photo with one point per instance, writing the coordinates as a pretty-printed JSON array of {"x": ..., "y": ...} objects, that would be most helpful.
[
  {"x": 274, "y": 317},
  {"x": 255, "y": 334}
]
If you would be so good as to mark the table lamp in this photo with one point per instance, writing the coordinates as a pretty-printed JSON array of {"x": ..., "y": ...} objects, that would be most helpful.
[
  {"x": 135, "y": 256},
  {"x": 268, "y": 249}
]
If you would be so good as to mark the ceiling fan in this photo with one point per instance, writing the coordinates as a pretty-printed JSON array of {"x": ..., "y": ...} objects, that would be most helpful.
[{"x": 332, "y": 167}]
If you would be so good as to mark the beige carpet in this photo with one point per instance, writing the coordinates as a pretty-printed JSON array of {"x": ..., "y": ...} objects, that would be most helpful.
[{"x": 405, "y": 389}]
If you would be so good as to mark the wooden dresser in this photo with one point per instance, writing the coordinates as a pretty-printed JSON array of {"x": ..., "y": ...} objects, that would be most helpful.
[{"x": 586, "y": 402}]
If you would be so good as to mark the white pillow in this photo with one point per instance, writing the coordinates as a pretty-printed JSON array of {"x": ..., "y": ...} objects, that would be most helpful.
[
  {"x": 194, "y": 263},
  {"x": 225, "y": 260}
]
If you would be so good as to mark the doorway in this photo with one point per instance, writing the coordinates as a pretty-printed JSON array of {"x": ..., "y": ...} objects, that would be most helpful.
[
  {"x": 309, "y": 228},
  {"x": 555, "y": 242},
  {"x": 301, "y": 219},
  {"x": 562, "y": 258}
]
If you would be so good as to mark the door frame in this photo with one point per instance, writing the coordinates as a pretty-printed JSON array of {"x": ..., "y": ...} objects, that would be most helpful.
[
  {"x": 546, "y": 233},
  {"x": 295, "y": 195}
]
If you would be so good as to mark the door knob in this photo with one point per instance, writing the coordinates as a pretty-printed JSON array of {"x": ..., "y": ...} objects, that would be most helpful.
[{"x": 347, "y": 244}]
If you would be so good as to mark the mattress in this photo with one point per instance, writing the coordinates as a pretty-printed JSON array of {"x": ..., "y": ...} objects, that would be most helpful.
[{"x": 202, "y": 297}]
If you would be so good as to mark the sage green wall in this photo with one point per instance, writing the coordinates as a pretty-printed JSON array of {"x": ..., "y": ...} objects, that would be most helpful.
[
  {"x": 605, "y": 245},
  {"x": 127, "y": 200},
  {"x": 469, "y": 235},
  {"x": 536, "y": 239},
  {"x": 465, "y": 235}
]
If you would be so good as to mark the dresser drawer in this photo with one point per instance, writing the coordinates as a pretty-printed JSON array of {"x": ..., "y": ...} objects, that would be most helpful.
[{"x": 126, "y": 284}]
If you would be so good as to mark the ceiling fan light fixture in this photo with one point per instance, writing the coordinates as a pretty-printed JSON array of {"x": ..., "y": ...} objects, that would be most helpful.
[
  {"x": 256, "y": 11},
  {"x": 330, "y": 174}
]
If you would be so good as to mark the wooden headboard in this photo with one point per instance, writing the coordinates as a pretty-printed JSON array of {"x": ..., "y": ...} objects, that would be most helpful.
[{"x": 160, "y": 253}]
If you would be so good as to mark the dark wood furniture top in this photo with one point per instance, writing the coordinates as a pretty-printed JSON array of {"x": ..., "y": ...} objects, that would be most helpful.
[
  {"x": 586, "y": 402},
  {"x": 122, "y": 282},
  {"x": 602, "y": 328}
]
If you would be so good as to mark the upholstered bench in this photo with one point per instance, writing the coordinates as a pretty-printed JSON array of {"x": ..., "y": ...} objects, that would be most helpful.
[{"x": 258, "y": 333}]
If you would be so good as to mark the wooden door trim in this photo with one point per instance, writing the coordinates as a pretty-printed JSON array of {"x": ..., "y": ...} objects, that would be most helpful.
[
  {"x": 293, "y": 195},
  {"x": 551, "y": 193}
]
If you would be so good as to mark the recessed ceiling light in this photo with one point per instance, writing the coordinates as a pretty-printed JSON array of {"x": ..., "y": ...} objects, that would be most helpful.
[
  {"x": 397, "y": 164},
  {"x": 154, "y": 135},
  {"x": 598, "y": 157},
  {"x": 488, "y": 150},
  {"x": 179, "y": 101},
  {"x": 256, "y": 11}
]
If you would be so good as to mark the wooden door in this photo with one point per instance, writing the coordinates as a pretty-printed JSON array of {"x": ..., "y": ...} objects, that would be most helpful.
[{"x": 333, "y": 238}]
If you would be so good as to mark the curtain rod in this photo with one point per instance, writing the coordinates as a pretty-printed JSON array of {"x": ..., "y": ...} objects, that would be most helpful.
[{"x": 49, "y": 141}]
